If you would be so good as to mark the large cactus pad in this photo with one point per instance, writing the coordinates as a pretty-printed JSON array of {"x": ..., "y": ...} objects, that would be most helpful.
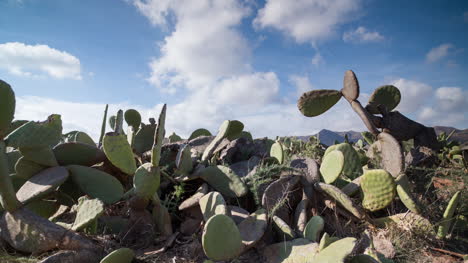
[
  {"x": 378, "y": 188},
  {"x": 316, "y": 102},
  {"x": 221, "y": 238}
]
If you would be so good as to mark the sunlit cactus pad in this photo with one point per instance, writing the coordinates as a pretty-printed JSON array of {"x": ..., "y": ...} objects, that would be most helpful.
[
  {"x": 388, "y": 96},
  {"x": 316, "y": 102},
  {"x": 221, "y": 238},
  {"x": 378, "y": 188}
]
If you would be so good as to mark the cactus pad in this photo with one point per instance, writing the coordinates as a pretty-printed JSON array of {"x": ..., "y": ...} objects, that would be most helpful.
[
  {"x": 88, "y": 212},
  {"x": 133, "y": 118},
  {"x": 295, "y": 251},
  {"x": 285, "y": 232},
  {"x": 336, "y": 252},
  {"x": 224, "y": 180},
  {"x": 326, "y": 240},
  {"x": 7, "y": 107},
  {"x": 404, "y": 193},
  {"x": 83, "y": 138},
  {"x": 277, "y": 152},
  {"x": 158, "y": 137},
  {"x": 121, "y": 255},
  {"x": 42, "y": 183},
  {"x": 25, "y": 169},
  {"x": 91, "y": 182},
  {"x": 391, "y": 153},
  {"x": 341, "y": 198},
  {"x": 352, "y": 163},
  {"x": 447, "y": 219},
  {"x": 144, "y": 138},
  {"x": 119, "y": 152},
  {"x": 184, "y": 160},
  {"x": 37, "y": 134},
  {"x": 387, "y": 95},
  {"x": 195, "y": 198},
  {"x": 332, "y": 166},
  {"x": 146, "y": 180},
  {"x": 350, "y": 88},
  {"x": 41, "y": 155},
  {"x": 314, "y": 228},
  {"x": 253, "y": 227},
  {"x": 8, "y": 198},
  {"x": 174, "y": 138},
  {"x": 378, "y": 188},
  {"x": 221, "y": 238},
  {"x": 234, "y": 130},
  {"x": 199, "y": 132},
  {"x": 212, "y": 204},
  {"x": 316, "y": 102},
  {"x": 78, "y": 153}
]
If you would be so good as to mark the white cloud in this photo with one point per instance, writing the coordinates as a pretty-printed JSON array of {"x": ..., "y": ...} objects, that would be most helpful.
[
  {"x": 317, "y": 59},
  {"x": 306, "y": 21},
  {"x": 362, "y": 35},
  {"x": 451, "y": 98},
  {"x": 439, "y": 52},
  {"x": 38, "y": 60},
  {"x": 414, "y": 94},
  {"x": 301, "y": 83}
]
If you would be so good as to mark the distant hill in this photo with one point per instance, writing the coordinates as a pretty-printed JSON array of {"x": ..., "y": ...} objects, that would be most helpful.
[{"x": 328, "y": 137}]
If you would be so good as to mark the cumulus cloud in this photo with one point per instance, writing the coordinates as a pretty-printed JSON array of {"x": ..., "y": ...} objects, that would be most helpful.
[
  {"x": 439, "y": 52},
  {"x": 414, "y": 94},
  {"x": 317, "y": 60},
  {"x": 38, "y": 60},
  {"x": 362, "y": 35},
  {"x": 306, "y": 21},
  {"x": 301, "y": 83}
]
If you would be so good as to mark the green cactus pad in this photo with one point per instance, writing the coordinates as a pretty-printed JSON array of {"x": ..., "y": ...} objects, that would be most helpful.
[
  {"x": 7, "y": 107},
  {"x": 88, "y": 211},
  {"x": 341, "y": 198},
  {"x": 447, "y": 219},
  {"x": 352, "y": 165},
  {"x": 350, "y": 88},
  {"x": 222, "y": 134},
  {"x": 234, "y": 130},
  {"x": 42, "y": 184},
  {"x": 406, "y": 221},
  {"x": 277, "y": 152},
  {"x": 133, "y": 118},
  {"x": 391, "y": 153},
  {"x": 332, "y": 166},
  {"x": 378, "y": 188},
  {"x": 121, "y": 255},
  {"x": 316, "y": 102},
  {"x": 247, "y": 135},
  {"x": 144, "y": 138},
  {"x": 336, "y": 252},
  {"x": 158, "y": 138},
  {"x": 40, "y": 155},
  {"x": 199, "y": 132},
  {"x": 212, "y": 204},
  {"x": 299, "y": 250},
  {"x": 184, "y": 160},
  {"x": 285, "y": 232},
  {"x": 174, "y": 138},
  {"x": 224, "y": 180},
  {"x": 91, "y": 182},
  {"x": 25, "y": 169},
  {"x": 119, "y": 152},
  {"x": 103, "y": 126},
  {"x": 118, "y": 128},
  {"x": 37, "y": 134},
  {"x": 43, "y": 208},
  {"x": 253, "y": 227},
  {"x": 387, "y": 95},
  {"x": 314, "y": 228},
  {"x": 326, "y": 240},
  {"x": 146, "y": 180},
  {"x": 301, "y": 214},
  {"x": 195, "y": 198},
  {"x": 162, "y": 219},
  {"x": 221, "y": 238},
  {"x": 404, "y": 193},
  {"x": 8, "y": 198},
  {"x": 83, "y": 138},
  {"x": 78, "y": 153}
]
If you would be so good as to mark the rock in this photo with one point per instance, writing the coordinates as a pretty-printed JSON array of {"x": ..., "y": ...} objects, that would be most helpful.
[
  {"x": 422, "y": 157},
  {"x": 240, "y": 149},
  {"x": 190, "y": 226},
  {"x": 384, "y": 246},
  {"x": 69, "y": 256},
  {"x": 199, "y": 144},
  {"x": 244, "y": 168}
]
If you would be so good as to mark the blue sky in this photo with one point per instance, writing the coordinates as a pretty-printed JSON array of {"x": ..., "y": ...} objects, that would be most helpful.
[{"x": 232, "y": 59}]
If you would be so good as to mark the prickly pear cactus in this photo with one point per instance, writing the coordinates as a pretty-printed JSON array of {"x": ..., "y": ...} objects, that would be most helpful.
[
  {"x": 174, "y": 138},
  {"x": 40, "y": 155},
  {"x": 234, "y": 130},
  {"x": 404, "y": 193},
  {"x": 83, "y": 138},
  {"x": 326, "y": 240},
  {"x": 253, "y": 227},
  {"x": 78, "y": 153},
  {"x": 132, "y": 118},
  {"x": 199, "y": 132},
  {"x": 221, "y": 238},
  {"x": 341, "y": 198},
  {"x": 316, "y": 102},
  {"x": 26, "y": 169},
  {"x": 195, "y": 198},
  {"x": 314, "y": 228},
  {"x": 337, "y": 251},
  {"x": 8, "y": 198},
  {"x": 91, "y": 182},
  {"x": 332, "y": 166},
  {"x": 42, "y": 184},
  {"x": 121, "y": 255},
  {"x": 285, "y": 232},
  {"x": 224, "y": 180},
  {"x": 88, "y": 212},
  {"x": 7, "y": 107},
  {"x": 447, "y": 219},
  {"x": 378, "y": 188},
  {"x": 112, "y": 121},
  {"x": 277, "y": 152},
  {"x": 350, "y": 88},
  {"x": 158, "y": 138},
  {"x": 212, "y": 204},
  {"x": 388, "y": 96},
  {"x": 146, "y": 180},
  {"x": 184, "y": 162},
  {"x": 144, "y": 138},
  {"x": 299, "y": 250},
  {"x": 119, "y": 152}
]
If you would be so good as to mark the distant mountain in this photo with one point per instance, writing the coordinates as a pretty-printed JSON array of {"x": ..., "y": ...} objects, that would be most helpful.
[{"x": 328, "y": 137}]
